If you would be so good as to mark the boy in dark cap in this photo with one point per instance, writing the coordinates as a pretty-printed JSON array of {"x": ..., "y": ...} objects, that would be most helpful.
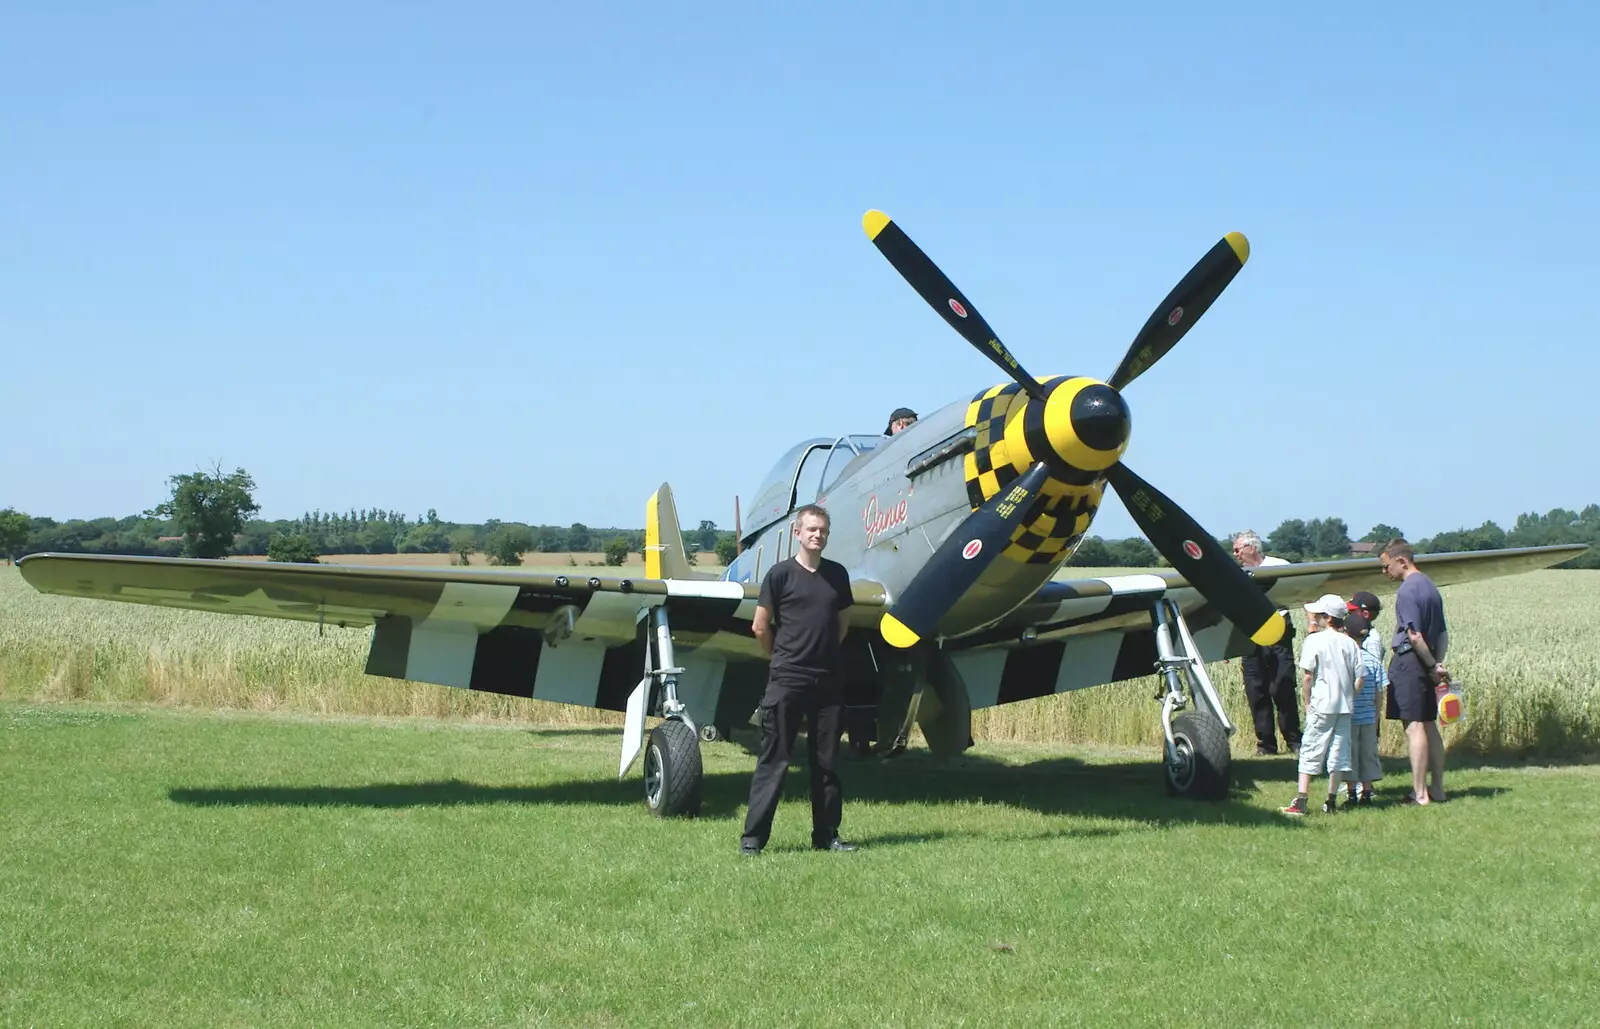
[
  {"x": 1365, "y": 766},
  {"x": 1368, "y": 605},
  {"x": 899, "y": 420}
]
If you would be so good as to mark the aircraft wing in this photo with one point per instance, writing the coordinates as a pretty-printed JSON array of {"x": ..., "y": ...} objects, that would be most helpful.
[
  {"x": 567, "y": 637},
  {"x": 1076, "y": 633}
]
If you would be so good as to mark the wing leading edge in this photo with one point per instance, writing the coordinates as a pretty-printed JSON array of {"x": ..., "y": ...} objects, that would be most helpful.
[
  {"x": 1088, "y": 632},
  {"x": 572, "y": 639}
]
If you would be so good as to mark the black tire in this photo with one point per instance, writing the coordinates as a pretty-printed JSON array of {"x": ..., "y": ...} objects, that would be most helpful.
[
  {"x": 1204, "y": 770},
  {"x": 672, "y": 770}
]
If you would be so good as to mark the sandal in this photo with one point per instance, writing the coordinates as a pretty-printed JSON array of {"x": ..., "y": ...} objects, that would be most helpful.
[{"x": 1411, "y": 798}]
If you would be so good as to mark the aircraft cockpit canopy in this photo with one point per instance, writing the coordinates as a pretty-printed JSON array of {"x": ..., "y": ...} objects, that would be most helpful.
[{"x": 803, "y": 473}]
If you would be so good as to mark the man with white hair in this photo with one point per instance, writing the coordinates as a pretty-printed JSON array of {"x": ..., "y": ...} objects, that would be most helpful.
[{"x": 1269, "y": 671}]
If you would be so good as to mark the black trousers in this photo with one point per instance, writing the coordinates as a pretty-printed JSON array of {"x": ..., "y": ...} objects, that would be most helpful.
[
  {"x": 781, "y": 713},
  {"x": 1268, "y": 683}
]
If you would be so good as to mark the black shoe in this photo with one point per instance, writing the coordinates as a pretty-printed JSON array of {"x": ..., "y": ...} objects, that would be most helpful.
[
  {"x": 750, "y": 849},
  {"x": 834, "y": 844},
  {"x": 1328, "y": 806},
  {"x": 1266, "y": 752}
]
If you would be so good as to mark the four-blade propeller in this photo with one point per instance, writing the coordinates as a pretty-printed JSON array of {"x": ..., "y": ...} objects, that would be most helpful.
[{"x": 961, "y": 559}]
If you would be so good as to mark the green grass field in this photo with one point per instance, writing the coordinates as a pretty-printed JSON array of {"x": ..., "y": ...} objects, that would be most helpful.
[{"x": 238, "y": 869}]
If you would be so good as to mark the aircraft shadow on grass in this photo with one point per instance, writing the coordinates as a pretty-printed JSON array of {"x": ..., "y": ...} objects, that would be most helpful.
[
  {"x": 1128, "y": 791},
  {"x": 611, "y": 731}
]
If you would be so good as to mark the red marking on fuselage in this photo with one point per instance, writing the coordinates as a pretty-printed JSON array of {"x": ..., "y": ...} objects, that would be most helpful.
[{"x": 875, "y": 521}]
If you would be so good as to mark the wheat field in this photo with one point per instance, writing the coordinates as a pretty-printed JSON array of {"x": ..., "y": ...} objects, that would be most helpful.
[{"x": 1530, "y": 671}]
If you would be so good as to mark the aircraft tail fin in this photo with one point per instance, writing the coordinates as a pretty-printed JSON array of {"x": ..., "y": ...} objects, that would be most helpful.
[{"x": 664, "y": 554}]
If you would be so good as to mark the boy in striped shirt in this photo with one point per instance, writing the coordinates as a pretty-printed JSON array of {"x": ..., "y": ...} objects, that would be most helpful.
[{"x": 1364, "y": 713}]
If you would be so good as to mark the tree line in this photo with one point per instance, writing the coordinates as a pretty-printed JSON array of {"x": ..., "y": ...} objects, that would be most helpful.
[
  {"x": 1322, "y": 538},
  {"x": 211, "y": 515}
]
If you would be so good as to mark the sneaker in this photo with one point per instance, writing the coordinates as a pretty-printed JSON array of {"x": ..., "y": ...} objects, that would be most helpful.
[
  {"x": 1366, "y": 798},
  {"x": 1351, "y": 800},
  {"x": 1328, "y": 806},
  {"x": 750, "y": 849},
  {"x": 1296, "y": 807}
]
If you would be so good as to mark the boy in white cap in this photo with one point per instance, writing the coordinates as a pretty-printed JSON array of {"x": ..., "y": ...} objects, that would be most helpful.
[{"x": 1331, "y": 663}]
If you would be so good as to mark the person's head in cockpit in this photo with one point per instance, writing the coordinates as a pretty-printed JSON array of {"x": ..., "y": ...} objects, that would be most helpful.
[{"x": 899, "y": 420}]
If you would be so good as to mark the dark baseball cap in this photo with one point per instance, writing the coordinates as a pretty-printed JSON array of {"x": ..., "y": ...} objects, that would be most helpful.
[
  {"x": 1366, "y": 602},
  {"x": 899, "y": 413},
  {"x": 1356, "y": 624}
]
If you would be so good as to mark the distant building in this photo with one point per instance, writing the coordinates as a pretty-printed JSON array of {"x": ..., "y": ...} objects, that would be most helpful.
[{"x": 1362, "y": 549}]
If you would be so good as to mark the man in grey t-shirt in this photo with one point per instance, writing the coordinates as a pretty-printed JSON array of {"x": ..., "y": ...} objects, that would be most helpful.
[{"x": 1415, "y": 670}]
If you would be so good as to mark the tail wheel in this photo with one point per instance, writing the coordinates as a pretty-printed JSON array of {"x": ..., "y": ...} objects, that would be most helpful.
[
  {"x": 672, "y": 770},
  {"x": 1202, "y": 768}
]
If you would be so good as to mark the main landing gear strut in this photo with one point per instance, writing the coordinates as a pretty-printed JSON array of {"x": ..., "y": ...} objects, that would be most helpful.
[
  {"x": 1196, "y": 757},
  {"x": 672, "y": 769}
]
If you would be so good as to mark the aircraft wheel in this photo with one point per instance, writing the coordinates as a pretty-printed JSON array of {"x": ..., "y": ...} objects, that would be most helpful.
[
  {"x": 1203, "y": 769},
  {"x": 672, "y": 770},
  {"x": 711, "y": 734}
]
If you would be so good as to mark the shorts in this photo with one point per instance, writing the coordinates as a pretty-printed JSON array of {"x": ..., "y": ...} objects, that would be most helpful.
[
  {"x": 1364, "y": 747},
  {"x": 1411, "y": 694},
  {"x": 1325, "y": 745}
]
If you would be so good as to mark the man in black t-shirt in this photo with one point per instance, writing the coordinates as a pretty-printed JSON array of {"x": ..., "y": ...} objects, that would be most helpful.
[{"x": 800, "y": 620}]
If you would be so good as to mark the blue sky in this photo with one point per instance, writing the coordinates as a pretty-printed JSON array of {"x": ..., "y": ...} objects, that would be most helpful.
[{"x": 526, "y": 261}]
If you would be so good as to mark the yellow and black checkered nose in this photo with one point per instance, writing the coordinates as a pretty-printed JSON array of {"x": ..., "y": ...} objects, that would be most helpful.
[{"x": 1076, "y": 430}]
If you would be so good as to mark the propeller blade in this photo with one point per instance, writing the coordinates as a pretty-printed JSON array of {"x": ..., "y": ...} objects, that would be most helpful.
[
  {"x": 960, "y": 559},
  {"x": 1199, "y": 558},
  {"x": 1183, "y": 307},
  {"x": 942, "y": 295}
]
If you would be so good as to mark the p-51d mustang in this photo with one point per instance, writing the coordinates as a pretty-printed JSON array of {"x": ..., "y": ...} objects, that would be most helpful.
[{"x": 952, "y": 531}]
